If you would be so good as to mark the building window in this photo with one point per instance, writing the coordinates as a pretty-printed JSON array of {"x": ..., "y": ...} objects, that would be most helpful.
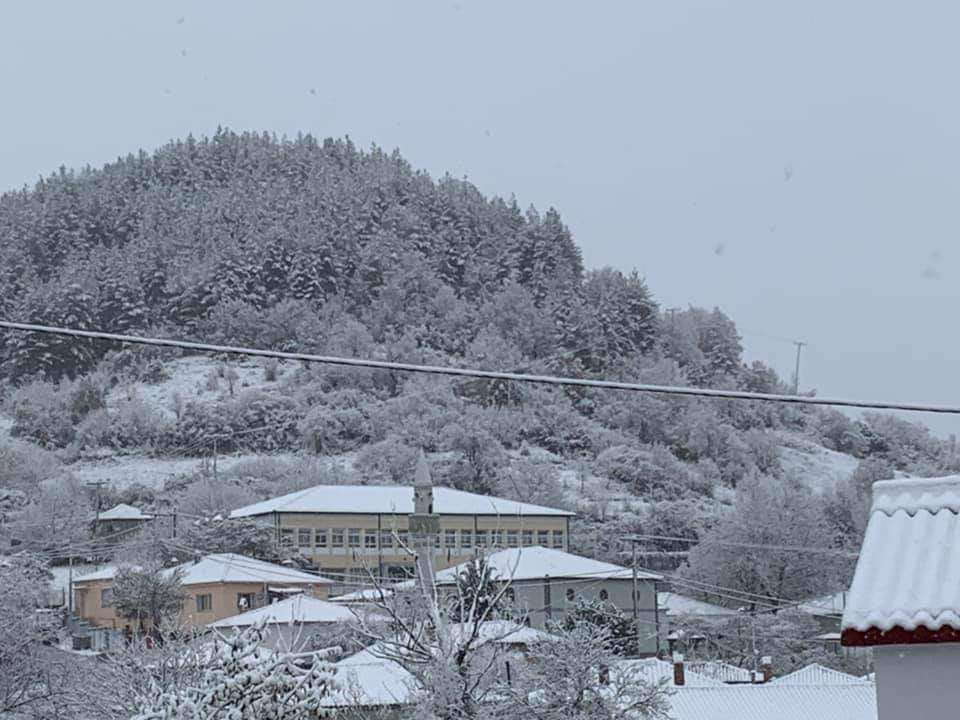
[
  {"x": 513, "y": 538},
  {"x": 527, "y": 538},
  {"x": 336, "y": 537},
  {"x": 106, "y": 597},
  {"x": 570, "y": 594},
  {"x": 404, "y": 538},
  {"x": 205, "y": 603},
  {"x": 303, "y": 537},
  {"x": 558, "y": 539},
  {"x": 321, "y": 537},
  {"x": 466, "y": 539},
  {"x": 604, "y": 595},
  {"x": 543, "y": 538},
  {"x": 370, "y": 539},
  {"x": 496, "y": 538},
  {"x": 510, "y": 595},
  {"x": 246, "y": 601},
  {"x": 353, "y": 537},
  {"x": 286, "y": 537},
  {"x": 449, "y": 538},
  {"x": 386, "y": 539},
  {"x": 481, "y": 538}
]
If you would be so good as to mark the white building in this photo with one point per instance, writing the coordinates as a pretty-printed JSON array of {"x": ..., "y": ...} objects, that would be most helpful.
[
  {"x": 546, "y": 583},
  {"x": 905, "y": 597}
]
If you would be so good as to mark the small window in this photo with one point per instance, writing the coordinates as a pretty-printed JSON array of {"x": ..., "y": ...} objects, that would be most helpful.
[
  {"x": 604, "y": 595},
  {"x": 353, "y": 537},
  {"x": 205, "y": 602},
  {"x": 466, "y": 539},
  {"x": 336, "y": 537},
  {"x": 386, "y": 539},
  {"x": 570, "y": 594},
  {"x": 543, "y": 538},
  {"x": 404, "y": 538},
  {"x": 496, "y": 538},
  {"x": 370, "y": 539},
  {"x": 286, "y": 537},
  {"x": 303, "y": 537},
  {"x": 513, "y": 538},
  {"x": 321, "y": 537},
  {"x": 481, "y": 538},
  {"x": 106, "y": 597},
  {"x": 246, "y": 601},
  {"x": 558, "y": 539},
  {"x": 449, "y": 538},
  {"x": 527, "y": 538}
]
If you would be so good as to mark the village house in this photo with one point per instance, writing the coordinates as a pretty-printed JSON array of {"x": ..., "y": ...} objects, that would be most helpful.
[
  {"x": 120, "y": 518},
  {"x": 351, "y": 531},
  {"x": 904, "y": 601},
  {"x": 300, "y": 623},
  {"x": 217, "y": 586},
  {"x": 545, "y": 583}
]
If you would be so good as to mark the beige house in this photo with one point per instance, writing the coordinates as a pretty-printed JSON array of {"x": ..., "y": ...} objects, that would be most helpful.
[
  {"x": 349, "y": 531},
  {"x": 218, "y": 587}
]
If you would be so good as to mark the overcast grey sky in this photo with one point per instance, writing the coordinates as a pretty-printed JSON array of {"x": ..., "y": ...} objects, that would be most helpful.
[{"x": 794, "y": 163}]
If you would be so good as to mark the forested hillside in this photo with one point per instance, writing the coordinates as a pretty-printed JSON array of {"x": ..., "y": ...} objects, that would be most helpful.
[{"x": 321, "y": 247}]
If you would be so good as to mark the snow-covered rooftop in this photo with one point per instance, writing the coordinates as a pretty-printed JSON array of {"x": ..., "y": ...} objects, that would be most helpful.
[
  {"x": 124, "y": 512},
  {"x": 774, "y": 702},
  {"x": 501, "y": 632},
  {"x": 826, "y": 605},
  {"x": 535, "y": 562},
  {"x": 297, "y": 609},
  {"x": 228, "y": 568},
  {"x": 367, "y": 680},
  {"x": 390, "y": 500},
  {"x": 816, "y": 674},
  {"x": 363, "y": 596},
  {"x": 677, "y": 604},
  {"x": 720, "y": 671},
  {"x": 908, "y": 573},
  {"x": 656, "y": 671}
]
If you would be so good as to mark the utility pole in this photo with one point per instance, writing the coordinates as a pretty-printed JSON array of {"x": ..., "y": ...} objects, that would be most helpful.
[
  {"x": 796, "y": 372},
  {"x": 215, "y": 460},
  {"x": 636, "y": 587}
]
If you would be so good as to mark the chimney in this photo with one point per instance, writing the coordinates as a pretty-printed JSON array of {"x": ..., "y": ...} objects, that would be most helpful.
[
  {"x": 766, "y": 667},
  {"x": 678, "y": 678}
]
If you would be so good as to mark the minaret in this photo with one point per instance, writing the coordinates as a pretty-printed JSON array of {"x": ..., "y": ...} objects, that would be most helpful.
[{"x": 424, "y": 524}]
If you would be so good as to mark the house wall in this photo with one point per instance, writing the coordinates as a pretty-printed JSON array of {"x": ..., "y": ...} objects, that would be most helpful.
[
  {"x": 87, "y": 599},
  {"x": 564, "y": 594},
  {"x": 917, "y": 681},
  {"x": 380, "y": 556}
]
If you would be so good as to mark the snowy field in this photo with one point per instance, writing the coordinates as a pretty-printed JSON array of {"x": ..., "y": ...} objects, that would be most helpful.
[
  {"x": 154, "y": 472},
  {"x": 821, "y": 469},
  {"x": 192, "y": 380}
]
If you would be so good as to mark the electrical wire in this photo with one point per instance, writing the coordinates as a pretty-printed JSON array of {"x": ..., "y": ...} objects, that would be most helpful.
[
  {"x": 752, "y": 546},
  {"x": 487, "y": 374}
]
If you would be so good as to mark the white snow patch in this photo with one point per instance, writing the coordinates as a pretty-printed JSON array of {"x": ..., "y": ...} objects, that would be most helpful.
[
  {"x": 819, "y": 468},
  {"x": 190, "y": 381},
  {"x": 6, "y": 425}
]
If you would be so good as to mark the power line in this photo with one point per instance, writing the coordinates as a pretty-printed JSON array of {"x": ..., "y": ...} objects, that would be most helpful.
[
  {"x": 487, "y": 374},
  {"x": 752, "y": 546}
]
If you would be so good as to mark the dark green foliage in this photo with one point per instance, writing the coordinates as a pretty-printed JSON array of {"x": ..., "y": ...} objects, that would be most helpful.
[
  {"x": 606, "y": 616},
  {"x": 478, "y": 597}
]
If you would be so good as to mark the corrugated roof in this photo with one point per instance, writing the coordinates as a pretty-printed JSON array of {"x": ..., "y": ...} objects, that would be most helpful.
[
  {"x": 124, "y": 512},
  {"x": 721, "y": 671},
  {"x": 677, "y": 604},
  {"x": 367, "y": 680},
  {"x": 774, "y": 702},
  {"x": 816, "y": 674},
  {"x": 227, "y": 568},
  {"x": 655, "y": 671},
  {"x": 908, "y": 572},
  {"x": 390, "y": 500},
  {"x": 529, "y": 563},
  {"x": 297, "y": 609}
]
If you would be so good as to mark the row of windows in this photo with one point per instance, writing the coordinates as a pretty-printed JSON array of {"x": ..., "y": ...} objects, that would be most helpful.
[
  {"x": 449, "y": 539},
  {"x": 245, "y": 601}
]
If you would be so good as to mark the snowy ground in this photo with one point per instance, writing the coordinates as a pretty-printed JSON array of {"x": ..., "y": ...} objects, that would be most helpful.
[
  {"x": 153, "y": 472},
  {"x": 192, "y": 379},
  {"x": 821, "y": 469}
]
